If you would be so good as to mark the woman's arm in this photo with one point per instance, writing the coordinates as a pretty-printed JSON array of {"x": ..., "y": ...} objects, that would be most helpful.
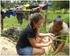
[
  {"x": 46, "y": 34},
  {"x": 50, "y": 35},
  {"x": 34, "y": 43}
]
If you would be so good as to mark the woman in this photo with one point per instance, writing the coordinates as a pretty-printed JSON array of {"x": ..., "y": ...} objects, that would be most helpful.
[{"x": 27, "y": 43}]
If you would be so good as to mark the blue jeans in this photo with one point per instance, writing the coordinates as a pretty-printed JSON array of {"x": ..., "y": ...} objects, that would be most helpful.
[{"x": 27, "y": 51}]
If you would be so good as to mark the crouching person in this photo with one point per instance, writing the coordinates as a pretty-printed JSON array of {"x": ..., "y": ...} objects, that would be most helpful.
[
  {"x": 60, "y": 29},
  {"x": 28, "y": 43}
]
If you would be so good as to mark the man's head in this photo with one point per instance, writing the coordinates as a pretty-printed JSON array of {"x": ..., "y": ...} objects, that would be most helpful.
[{"x": 58, "y": 23}]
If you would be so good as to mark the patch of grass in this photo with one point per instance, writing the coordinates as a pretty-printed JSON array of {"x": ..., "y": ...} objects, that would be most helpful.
[
  {"x": 8, "y": 22},
  {"x": 43, "y": 29},
  {"x": 52, "y": 16},
  {"x": 12, "y": 21}
]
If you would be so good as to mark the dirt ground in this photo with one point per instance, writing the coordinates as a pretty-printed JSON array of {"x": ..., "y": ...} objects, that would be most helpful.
[{"x": 7, "y": 48}]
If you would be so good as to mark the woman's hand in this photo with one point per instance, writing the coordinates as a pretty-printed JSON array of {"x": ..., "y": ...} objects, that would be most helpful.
[
  {"x": 50, "y": 35},
  {"x": 46, "y": 40}
]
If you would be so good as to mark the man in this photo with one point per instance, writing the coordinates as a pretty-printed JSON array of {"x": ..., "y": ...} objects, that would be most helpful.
[{"x": 60, "y": 29}]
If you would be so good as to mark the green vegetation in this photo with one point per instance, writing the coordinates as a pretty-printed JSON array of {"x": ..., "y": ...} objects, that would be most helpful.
[
  {"x": 60, "y": 4},
  {"x": 12, "y": 21}
]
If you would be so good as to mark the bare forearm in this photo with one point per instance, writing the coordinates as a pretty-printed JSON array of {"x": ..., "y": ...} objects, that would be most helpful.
[
  {"x": 45, "y": 34},
  {"x": 42, "y": 44}
]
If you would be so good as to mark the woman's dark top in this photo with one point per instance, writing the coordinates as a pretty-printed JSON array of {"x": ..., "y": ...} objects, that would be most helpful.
[{"x": 23, "y": 40}]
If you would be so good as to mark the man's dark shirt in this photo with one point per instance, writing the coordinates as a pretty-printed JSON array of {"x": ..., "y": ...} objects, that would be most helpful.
[{"x": 23, "y": 40}]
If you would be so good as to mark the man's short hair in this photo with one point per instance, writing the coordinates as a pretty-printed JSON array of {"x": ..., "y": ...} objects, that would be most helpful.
[{"x": 58, "y": 20}]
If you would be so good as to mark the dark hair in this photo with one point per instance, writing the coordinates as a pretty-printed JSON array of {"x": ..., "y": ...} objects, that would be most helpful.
[
  {"x": 35, "y": 18},
  {"x": 58, "y": 20}
]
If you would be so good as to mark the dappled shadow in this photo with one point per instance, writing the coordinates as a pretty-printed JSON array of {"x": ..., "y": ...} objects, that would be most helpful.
[{"x": 66, "y": 50}]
